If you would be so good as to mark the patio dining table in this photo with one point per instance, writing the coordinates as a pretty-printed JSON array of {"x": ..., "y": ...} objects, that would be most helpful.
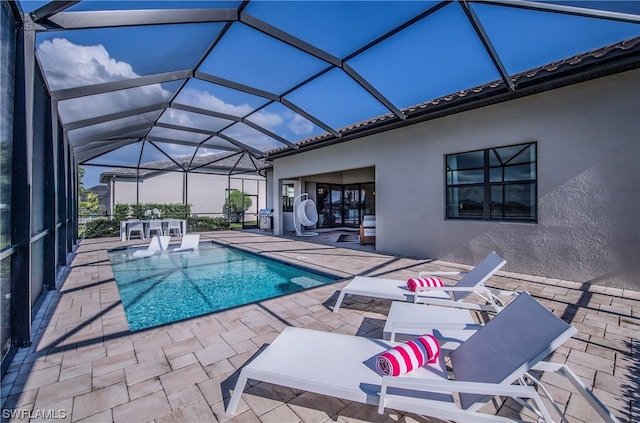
[{"x": 124, "y": 226}]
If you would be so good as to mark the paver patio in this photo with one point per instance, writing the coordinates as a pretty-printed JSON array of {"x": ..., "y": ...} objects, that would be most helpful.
[{"x": 85, "y": 365}]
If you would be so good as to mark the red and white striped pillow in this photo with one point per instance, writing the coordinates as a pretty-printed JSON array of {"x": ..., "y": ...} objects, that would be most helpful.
[
  {"x": 408, "y": 356},
  {"x": 415, "y": 284}
]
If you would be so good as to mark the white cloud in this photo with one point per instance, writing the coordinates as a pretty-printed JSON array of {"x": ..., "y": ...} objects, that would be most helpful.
[
  {"x": 194, "y": 120},
  {"x": 282, "y": 122},
  {"x": 70, "y": 65},
  {"x": 179, "y": 117},
  {"x": 168, "y": 133},
  {"x": 267, "y": 120},
  {"x": 251, "y": 137},
  {"x": 97, "y": 105},
  {"x": 204, "y": 100},
  {"x": 300, "y": 125}
]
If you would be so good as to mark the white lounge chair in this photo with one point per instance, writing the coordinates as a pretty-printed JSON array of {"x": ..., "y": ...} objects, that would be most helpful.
[
  {"x": 157, "y": 244},
  {"x": 189, "y": 243},
  {"x": 391, "y": 289},
  {"x": 485, "y": 366}
]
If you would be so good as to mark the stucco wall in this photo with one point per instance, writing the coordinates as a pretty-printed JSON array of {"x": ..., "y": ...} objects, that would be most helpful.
[
  {"x": 162, "y": 188},
  {"x": 588, "y": 139},
  {"x": 205, "y": 193}
]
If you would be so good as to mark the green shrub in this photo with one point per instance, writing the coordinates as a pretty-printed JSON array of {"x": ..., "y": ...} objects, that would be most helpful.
[
  {"x": 235, "y": 205},
  {"x": 137, "y": 211},
  {"x": 204, "y": 224},
  {"x": 121, "y": 212},
  {"x": 101, "y": 228},
  {"x": 174, "y": 210}
]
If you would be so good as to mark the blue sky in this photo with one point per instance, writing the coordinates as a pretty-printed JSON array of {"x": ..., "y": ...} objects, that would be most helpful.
[{"x": 435, "y": 56}]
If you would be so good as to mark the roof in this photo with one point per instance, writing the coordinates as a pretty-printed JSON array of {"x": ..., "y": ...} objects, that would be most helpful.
[
  {"x": 99, "y": 190},
  {"x": 139, "y": 82}
]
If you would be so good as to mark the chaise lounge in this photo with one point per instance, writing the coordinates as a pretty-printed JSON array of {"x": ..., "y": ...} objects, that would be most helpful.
[
  {"x": 486, "y": 365},
  {"x": 472, "y": 282},
  {"x": 190, "y": 242},
  {"x": 157, "y": 245}
]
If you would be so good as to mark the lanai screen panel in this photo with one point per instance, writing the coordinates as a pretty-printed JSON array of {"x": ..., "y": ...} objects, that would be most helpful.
[
  {"x": 121, "y": 101},
  {"x": 264, "y": 76}
]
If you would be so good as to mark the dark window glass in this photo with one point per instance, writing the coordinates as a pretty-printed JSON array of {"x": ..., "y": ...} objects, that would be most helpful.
[
  {"x": 368, "y": 199},
  {"x": 336, "y": 205},
  {"x": 497, "y": 184},
  {"x": 475, "y": 176},
  {"x": 519, "y": 201},
  {"x": 287, "y": 197},
  {"x": 520, "y": 172},
  {"x": 351, "y": 205},
  {"x": 323, "y": 203},
  {"x": 462, "y": 161},
  {"x": 466, "y": 202},
  {"x": 344, "y": 205},
  {"x": 465, "y": 168}
]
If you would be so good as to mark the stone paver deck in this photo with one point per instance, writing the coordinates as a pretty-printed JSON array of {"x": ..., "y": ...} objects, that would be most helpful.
[{"x": 85, "y": 366}]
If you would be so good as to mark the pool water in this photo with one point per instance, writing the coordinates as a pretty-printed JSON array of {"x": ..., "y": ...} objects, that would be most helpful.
[{"x": 169, "y": 287}]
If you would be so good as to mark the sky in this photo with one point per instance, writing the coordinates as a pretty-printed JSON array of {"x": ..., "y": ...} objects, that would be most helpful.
[{"x": 433, "y": 57}]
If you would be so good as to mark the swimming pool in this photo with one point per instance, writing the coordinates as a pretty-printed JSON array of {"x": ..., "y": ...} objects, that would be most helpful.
[{"x": 169, "y": 287}]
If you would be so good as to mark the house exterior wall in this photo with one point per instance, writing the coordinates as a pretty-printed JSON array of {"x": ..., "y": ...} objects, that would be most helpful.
[
  {"x": 205, "y": 193},
  {"x": 588, "y": 141},
  {"x": 161, "y": 188}
]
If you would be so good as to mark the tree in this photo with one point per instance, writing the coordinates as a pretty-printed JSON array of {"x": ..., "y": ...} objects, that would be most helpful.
[
  {"x": 235, "y": 205},
  {"x": 89, "y": 201}
]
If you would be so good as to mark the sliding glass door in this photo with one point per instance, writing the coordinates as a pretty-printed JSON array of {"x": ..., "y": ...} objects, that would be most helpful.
[
  {"x": 344, "y": 205},
  {"x": 351, "y": 205}
]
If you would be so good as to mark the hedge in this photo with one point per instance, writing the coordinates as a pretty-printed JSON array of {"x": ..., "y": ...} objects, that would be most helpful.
[
  {"x": 167, "y": 211},
  {"x": 204, "y": 224},
  {"x": 101, "y": 228}
]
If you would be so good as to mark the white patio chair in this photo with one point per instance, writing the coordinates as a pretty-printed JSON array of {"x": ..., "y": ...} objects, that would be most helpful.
[
  {"x": 135, "y": 226},
  {"x": 452, "y": 296},
  {"x": 154, "y": 226},
  {"x": 157, "y": 245},
  {"x": 189, "y": 242},
  {"x": 486, "y": 365},
  {"x": 174, "y": 227}
]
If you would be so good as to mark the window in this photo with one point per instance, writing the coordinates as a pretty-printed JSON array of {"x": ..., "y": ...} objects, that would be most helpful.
[
  {"x": 493, "y": 184},
  {"x": 287, "y": 197}
]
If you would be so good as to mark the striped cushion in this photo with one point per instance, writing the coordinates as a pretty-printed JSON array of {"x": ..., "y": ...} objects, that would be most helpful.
[
  {"x": 414, "y": 284},
  {"x": 408, "y": 356}
]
